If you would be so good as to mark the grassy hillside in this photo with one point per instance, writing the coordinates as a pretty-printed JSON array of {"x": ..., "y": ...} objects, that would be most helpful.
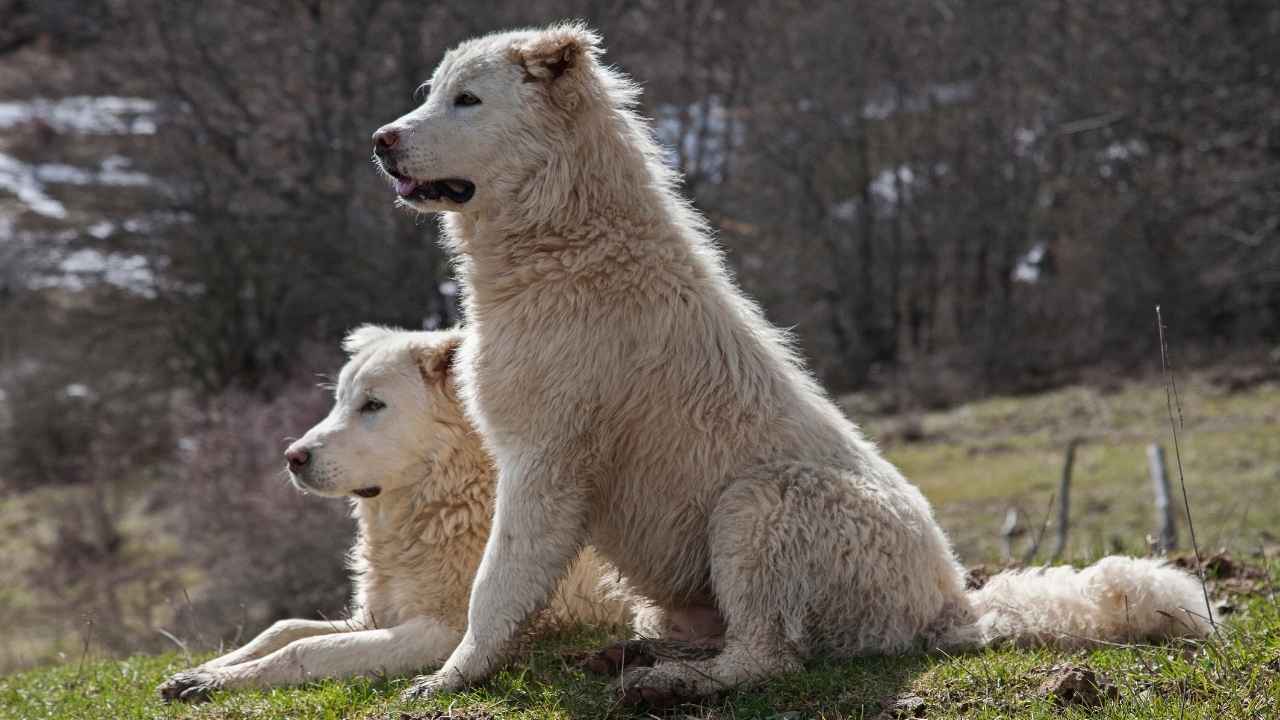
[
  {"x": 977, "y": 460},
  {"x": 974, "y": 462},
  {"x": 1235, "y": 677}
]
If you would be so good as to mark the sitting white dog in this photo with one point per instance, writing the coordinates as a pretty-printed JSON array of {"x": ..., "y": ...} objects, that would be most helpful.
[{"x": 422, "y": 487}]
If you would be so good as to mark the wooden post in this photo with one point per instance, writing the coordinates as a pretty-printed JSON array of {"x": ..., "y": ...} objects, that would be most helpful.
[
  {"x": 1064, "y": 504},
  {"x": 1010, "y": 530},
  {"x": 1165, "y": 517}
]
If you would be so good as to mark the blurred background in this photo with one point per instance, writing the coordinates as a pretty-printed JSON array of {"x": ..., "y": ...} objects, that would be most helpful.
[{"x": 966, "y": 209}]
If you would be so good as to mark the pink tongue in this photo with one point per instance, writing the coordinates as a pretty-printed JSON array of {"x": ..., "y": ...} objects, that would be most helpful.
[{"x": 404, "y": 186}]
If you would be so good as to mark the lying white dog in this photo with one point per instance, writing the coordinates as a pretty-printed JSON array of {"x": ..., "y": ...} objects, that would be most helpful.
[{"x": 396, "y": 439}]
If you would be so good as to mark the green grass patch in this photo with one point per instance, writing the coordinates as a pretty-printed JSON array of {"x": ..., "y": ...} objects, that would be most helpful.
[
  {"x": 976, "y": 461},
  {"x": 1236, "y": 676}
]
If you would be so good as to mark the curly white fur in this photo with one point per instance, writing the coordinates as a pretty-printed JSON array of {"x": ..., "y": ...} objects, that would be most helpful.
[
  {"x": 637, "y": 400},
  {"x": 419, "y": 540},
  {"x": 1117, "y": 599}
]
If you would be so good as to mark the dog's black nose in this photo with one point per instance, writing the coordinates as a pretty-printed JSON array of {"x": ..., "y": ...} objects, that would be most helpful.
[
  {"x": 385, "y": 139},
  {"x": 297, "y": 459}
]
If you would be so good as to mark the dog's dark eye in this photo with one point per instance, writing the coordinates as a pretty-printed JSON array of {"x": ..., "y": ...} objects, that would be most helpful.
[
  {"x": 372, "y": 405},
  {"x": 466, "y": 99}
]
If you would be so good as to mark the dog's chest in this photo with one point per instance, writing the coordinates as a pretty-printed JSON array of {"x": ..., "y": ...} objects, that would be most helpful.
[{"x": 527, "y": 384}]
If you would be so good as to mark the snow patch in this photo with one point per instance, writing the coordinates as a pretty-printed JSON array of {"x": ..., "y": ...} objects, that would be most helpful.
[
  {"x": 28, "y": 181},
  {"x": 84, "y": 114},
  {"x": 1024, "y": 139},
  {"x": 20, "y": 179},
  {"x": 102, "y": 229},
  {"x": 886, "y": 183},
  {"x": 76, "y": 271},
  {"x": 701, "y": 131},
  {"x": 1124, "y": 150},
  {"x": 845, "y": 210},
  {"x": 111, "y": 171},
  {"x": 889, "y": 104},
  {"x": 1030, "y": 265}
]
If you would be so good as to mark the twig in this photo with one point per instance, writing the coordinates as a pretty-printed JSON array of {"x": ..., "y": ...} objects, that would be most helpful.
[
  {"x": 191, "y": 609},
  {"x": 1091, "y": 123},
  {"x": 88, "y": 638},
  {"x": 174, "y": 639},
  {"x": 1171, "y": 400}
]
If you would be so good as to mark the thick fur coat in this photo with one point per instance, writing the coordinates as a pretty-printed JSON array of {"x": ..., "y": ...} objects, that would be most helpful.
[
  {"x": 421, "y": 486},
  {"x": 635, "y": 399}
]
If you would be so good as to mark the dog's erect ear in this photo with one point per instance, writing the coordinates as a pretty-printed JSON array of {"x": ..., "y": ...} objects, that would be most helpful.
[
  {"x": 555, "y": 52},
  {"x": 364, "y": 336},
  {"x": 436, "y": 360}
]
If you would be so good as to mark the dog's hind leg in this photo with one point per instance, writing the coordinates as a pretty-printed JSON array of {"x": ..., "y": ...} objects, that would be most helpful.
[
  {"x": 804, "y": 559},
  {"x": 751, "y": 558}
]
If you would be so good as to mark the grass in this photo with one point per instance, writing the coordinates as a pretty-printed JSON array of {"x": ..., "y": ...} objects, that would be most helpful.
[
  {"x": 977, "y": 460},
  {"x": 1235, "y": 677},
  {"x": 973, "y": 462}
]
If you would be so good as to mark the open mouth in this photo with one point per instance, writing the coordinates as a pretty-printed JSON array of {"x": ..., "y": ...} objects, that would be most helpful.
[
  {"x": 368, "y": 492},
  {"x": 454, "y": 189}
]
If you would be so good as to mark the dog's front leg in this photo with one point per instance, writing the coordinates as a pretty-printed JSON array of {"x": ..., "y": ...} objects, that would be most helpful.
[
  {"x": 400, "y": 649},
  {"x": 539, "y": 526},
  {"x": 281, "y": 633}
]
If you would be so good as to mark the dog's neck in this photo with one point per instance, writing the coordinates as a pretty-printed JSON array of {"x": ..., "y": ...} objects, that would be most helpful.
[
  {"x": 600, "y": 168},
  {"x": 617, "y": 205},
  {"x": 416, "y": 513}
]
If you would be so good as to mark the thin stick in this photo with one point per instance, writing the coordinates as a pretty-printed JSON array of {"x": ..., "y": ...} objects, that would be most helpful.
[
  {"x": 1170, "y": 399},
  {"x": 88, "y": 638},
  {"x": 186, "y": 652}
]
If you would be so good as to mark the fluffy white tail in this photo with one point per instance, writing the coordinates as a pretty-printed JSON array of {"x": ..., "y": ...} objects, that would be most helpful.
[{"x": 1117, "y": 599}]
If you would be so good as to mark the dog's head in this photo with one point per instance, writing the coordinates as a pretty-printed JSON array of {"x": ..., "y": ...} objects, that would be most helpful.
[
  {"x": 494, "y": 111},
  {"x": 395, "y": 415}
]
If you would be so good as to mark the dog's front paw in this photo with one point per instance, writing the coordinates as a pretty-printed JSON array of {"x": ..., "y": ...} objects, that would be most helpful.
[
  {"x": 652, "y": 686},
  {"x": 425, "y": 686},
  {"x": 189, "y": 686}
]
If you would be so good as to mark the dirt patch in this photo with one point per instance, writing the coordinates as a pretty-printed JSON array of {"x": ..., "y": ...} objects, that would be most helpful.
[
  {"x": 978, "y": 575},
  {"x": 1077, "y": 685},
  {"x": 1227, "y": 575},
  {"x": 900, "y": 707},
  {"x": 612, "y": 659}
]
